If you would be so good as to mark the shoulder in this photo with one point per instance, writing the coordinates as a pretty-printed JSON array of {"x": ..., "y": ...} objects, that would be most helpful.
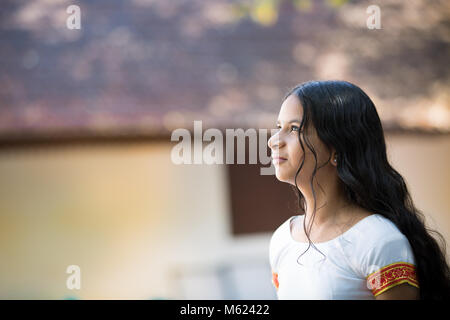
[
  {"x": 375, "y": 239},
  {"x": 378, "y": 230},
  {"x": 387, "y": 237},
  {"x": 281, "y": 235},
  {"x": 279, "y": 240},
  {"x": 371, "y": 232},
  {"x": 382, "y": 254},
  {"x": 282, "y": 232},
  {"x": 377, "y": 234},
  {"x": 380, "y": 244}
]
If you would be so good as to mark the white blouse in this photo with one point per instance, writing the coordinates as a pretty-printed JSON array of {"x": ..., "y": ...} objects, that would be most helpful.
[{"x": 363, "y": 262}]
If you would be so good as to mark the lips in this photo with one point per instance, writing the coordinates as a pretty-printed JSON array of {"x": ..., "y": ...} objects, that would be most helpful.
[
  {"x": 276, "y": 157},
  {"x": 278, "y": 160}
]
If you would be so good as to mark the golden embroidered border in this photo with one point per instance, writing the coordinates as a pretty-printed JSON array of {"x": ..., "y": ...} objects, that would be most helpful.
[{"x": 392, "y": 275}]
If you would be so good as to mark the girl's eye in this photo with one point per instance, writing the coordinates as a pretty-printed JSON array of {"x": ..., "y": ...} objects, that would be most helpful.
[{"x": 293, "y": 128}]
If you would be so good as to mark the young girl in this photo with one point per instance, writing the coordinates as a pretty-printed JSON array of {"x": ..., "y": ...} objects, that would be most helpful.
[{"x": 369, "y": 240}]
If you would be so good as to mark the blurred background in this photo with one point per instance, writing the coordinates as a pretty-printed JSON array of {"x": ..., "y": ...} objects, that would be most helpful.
[{"x": 86, "y": 117}]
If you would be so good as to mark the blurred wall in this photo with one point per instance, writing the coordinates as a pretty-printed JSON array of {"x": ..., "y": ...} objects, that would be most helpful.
[
  {"x": 423, "y": 161},
  {"x": 137, "y": 225},
  {"x": 141, "y": 227}
]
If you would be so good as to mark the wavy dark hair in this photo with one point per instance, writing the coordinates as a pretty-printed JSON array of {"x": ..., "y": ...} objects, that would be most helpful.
[{"x": 345, "y": 118}]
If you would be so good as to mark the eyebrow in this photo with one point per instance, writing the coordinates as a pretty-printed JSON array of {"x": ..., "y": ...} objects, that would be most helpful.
[{"x": 291, "y": 121}]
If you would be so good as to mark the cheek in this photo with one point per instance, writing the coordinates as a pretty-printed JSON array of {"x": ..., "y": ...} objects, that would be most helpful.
[
  {"x": 295, "y": 153},
  {"x": 287, "y": 170}
]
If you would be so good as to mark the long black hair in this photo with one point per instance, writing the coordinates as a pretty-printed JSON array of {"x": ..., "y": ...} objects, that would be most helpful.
[{"x": 345, "y": 118}]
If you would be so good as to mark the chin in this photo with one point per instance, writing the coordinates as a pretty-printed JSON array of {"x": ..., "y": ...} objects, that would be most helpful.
[{"x": 280, "y": 176}]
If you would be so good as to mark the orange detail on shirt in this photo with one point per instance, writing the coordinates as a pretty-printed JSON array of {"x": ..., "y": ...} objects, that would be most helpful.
[
  {"x": 275, "y": 279},
  {"x": 391, "y": 276}
]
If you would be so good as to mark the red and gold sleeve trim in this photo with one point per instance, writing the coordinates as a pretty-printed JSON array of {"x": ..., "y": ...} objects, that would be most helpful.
[
  {"x": 275, "y": 280},
  {"x": 392, "y": 275}
]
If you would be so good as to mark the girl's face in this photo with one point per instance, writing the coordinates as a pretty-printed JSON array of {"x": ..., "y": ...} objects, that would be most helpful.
[{"x": 285, "y": 144}]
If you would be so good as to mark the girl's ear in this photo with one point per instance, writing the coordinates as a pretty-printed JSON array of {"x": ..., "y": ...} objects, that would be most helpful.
[{"x": 334, "y": 158}]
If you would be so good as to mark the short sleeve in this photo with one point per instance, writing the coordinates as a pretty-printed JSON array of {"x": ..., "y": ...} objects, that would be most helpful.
[
  {"x": 273, "y": 257},
  {"x": 278, "y": 242},
  {"x": 273, "y": 254},
  {"x": 388, "y": 263}
]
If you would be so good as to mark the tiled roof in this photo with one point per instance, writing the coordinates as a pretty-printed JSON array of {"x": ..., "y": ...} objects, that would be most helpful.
[{"x": 146, "y": 67}]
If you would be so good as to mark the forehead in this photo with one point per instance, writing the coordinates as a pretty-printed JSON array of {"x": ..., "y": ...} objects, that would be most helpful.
[{"x": 290, "y": 109}]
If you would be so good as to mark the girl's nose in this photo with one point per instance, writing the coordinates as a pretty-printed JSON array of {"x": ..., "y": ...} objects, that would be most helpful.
[{"x": 275, "y": 141}]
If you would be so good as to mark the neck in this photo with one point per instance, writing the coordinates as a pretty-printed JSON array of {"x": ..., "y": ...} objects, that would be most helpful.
[
  {"x": 328, "y": 209},
  {"x": 329, "y": 214}
]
